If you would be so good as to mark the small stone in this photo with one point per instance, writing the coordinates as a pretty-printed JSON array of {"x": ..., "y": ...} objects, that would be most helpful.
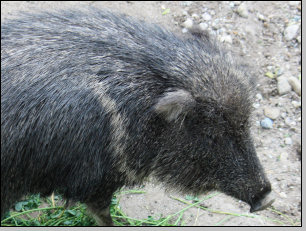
[
  {"x": 283, "y": 195},
  {"x": 188, "y": 23},
  {"x": 226, "y": 38},
  {"x": 195, "y": 16},
  {"x": 283, "y": 85},
  {"x": 271, "y": 113},
  {"x": 221, "y": 31},
  {"x": 266, "y": 123},
  {"x": 261, "y": 17},
  {"x": 295, "y": 84},
  {"x": 215, "y": 24},
  {"x": 203, "y": 26},
  {"x": 185, "y": 13},
  {"x": 206, "y": 17},
  {"x": 186, "y": 3},
  {"x": 290, "y": 122},
  {"x": 291, "y": 31},
  {"x": 242, "y": 10},
  {"x": 184, "y": 30},
  {"x": 279, "y": 71},
  {"x": 256, "y": 105},
  {"x": 288, "y": 141},
  {"x": 259, "y": 96},
  {"x": 284, "y": 157},
  {"x": 298, "y": 39},
  {"x": 296, "y": 104},
  {"x": 270, "y": 68}
]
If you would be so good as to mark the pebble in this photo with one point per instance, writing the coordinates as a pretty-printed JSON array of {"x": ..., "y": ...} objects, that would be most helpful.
[
  {"x": 270, "y": 68},
  {"x": 188, "y": 23},
  {"x": 288, "y": 141},
  {"x": 184, "y": 30},
  {"x": 185, "y": 13},
  {"x": 295, "y": 84},
  {"x": 283, "y": 195},
  {"x": 256, "y": 105},
  {"x": 261, "y": 17},
  {"x": 221, "y": 31},
  {"x": 296, "y": 104},
  {"x": 215, "y": 24},
  {"x": 271, "y": 113},
  {"x": 279, "y": 71},
  {"x": 290, "y": 122},
  {"x": 283, "y": 85},
  {"x": 186, "y": 3},
  {"x": 242, "y": 10},
  {"x": 298, "y": 39},
  {"x": 195, "y": 16},
  {"x": 259, "y": 96},
  {"x": 226, "y": 38},
  {"x": 203, "y": 26},
  {"x": 206, "y": 17},
  {"x": 266, "y": 123},
  {"x": 291, "y": 31}
]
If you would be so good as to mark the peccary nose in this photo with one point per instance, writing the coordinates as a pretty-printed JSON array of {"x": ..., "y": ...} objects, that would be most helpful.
[{"x": 262, "y": 200}]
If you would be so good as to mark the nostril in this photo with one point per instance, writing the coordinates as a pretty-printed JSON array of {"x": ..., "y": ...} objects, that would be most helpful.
[
  {"x": 262, "y": 193},
  {"x": 262, "y": 200}
]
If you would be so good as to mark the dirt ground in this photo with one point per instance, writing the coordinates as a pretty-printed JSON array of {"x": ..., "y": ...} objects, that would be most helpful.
[{"x": 267, "y": 35}]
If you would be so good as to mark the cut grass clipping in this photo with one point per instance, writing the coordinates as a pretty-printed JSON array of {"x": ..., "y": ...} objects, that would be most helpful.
[{"x": 36, "y": 211}]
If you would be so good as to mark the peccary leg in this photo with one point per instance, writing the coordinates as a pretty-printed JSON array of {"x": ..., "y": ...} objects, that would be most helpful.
[{"x": 101, "y": 213}]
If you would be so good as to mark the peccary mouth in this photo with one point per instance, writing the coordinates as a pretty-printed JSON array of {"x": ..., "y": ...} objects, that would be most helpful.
[{"x": 262, "y": 203}]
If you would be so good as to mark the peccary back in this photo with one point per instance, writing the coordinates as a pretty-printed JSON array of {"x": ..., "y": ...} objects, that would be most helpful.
[{"x": 92, "y": 101}]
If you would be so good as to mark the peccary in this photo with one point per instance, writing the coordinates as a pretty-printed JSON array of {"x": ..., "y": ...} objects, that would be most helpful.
[{"x": 92, "y": 101}]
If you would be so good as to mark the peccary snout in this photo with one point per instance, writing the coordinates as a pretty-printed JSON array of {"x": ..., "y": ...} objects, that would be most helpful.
[{"x": 262, "y": 200}]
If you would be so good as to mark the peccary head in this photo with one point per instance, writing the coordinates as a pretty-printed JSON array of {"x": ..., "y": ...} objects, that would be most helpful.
[{"x": 206, "y": 137}]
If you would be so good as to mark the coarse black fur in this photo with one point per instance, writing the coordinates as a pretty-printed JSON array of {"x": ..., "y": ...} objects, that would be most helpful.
[{"x": 92, "y": 101}]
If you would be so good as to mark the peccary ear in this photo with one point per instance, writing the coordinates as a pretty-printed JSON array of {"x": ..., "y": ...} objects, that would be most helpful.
[{"x": 173, "y": 104}]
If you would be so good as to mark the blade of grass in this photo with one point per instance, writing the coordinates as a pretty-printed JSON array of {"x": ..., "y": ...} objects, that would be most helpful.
[
  {"x": 228, "y": 213},
  {"x": 30, "y": 211},
  {"x": 179, "y": 218},
  {"x": 283, "y": 215},
  {"x": 130, "y": 192},
  {"x": 223, "y": 220},
  {"x": 196, "y": 217},
  {"x": 191, "y": 205}
]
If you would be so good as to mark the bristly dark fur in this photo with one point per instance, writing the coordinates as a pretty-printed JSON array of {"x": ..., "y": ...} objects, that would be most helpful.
[{"x": 92, "y": 101}]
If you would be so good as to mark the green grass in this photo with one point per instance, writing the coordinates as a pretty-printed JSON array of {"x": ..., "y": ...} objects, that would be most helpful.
[{"x": 37, "y": 211}]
